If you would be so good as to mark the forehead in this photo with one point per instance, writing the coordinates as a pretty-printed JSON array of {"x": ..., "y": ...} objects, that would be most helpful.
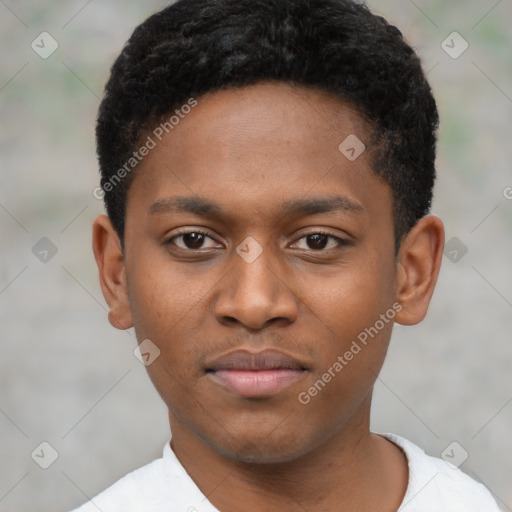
[
  {"x": 268, "y": 110},
  {"x": 260, "y": 146}
]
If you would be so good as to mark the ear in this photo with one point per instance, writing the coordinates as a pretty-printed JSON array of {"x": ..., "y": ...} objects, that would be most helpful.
[
  {"x": 419, "y": 261},
  {"x": 109, "y": 258}
]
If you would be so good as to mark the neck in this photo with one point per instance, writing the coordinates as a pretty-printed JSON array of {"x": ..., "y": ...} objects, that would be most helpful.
[{"x": 351, "y": 470}]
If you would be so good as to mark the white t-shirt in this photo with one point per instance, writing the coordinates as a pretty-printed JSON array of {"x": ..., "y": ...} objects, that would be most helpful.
[{"x": 164, "y": 485}]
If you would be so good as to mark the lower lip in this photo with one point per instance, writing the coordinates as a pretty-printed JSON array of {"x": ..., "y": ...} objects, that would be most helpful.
[{"x": 249, "y": 383}]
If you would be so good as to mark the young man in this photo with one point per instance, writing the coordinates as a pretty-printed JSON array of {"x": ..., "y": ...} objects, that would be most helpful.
[{"x": 267, "y": 168}]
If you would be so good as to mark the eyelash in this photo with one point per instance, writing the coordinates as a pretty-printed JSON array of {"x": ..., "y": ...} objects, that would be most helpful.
[{"x": 341, "y": 242}]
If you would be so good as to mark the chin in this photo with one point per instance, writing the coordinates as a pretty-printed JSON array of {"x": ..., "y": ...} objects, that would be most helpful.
[
  {"x": 261, "y": 447},
  {"x": 259, "y": 455}
]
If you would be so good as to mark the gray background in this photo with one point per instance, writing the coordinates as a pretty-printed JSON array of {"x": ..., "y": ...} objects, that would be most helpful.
[{"x": 68, "y": 378}]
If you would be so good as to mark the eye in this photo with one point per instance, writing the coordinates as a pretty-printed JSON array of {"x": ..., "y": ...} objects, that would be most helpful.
[
  {"x": 192, "y": 240},
  {"x": 195, "y": 240},
  {"x": 320, "y": 241}
]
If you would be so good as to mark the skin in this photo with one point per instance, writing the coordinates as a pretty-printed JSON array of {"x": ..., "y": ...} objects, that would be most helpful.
[{"x": 249, "y": 151}]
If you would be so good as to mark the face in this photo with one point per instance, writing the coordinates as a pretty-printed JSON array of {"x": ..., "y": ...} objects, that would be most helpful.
[{"x": 248, "y": 229}]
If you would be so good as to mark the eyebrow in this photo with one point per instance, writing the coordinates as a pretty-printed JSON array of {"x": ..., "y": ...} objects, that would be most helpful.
[{"x": 294, "y": 208}]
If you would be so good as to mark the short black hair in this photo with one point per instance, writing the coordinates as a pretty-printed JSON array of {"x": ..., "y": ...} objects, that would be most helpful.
[{"x": 197, "y": 46}]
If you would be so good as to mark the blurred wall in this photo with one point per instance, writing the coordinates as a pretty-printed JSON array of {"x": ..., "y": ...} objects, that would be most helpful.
[{"x": 67, "y": 378}]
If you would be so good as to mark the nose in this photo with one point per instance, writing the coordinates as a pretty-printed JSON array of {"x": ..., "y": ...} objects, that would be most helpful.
[{"x": 256, "y": 293}]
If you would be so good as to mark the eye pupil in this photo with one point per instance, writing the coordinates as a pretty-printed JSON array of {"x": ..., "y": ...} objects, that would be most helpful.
[
  {"x": 193, "y": 240},
  {"x": 317, "y": 241}
]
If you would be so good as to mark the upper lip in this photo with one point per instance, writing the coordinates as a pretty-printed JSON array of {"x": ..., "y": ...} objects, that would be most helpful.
[{"x": 268, "y": 359}]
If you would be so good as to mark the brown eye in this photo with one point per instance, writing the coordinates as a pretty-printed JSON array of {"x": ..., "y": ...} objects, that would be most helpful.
[
  {"x": 320, "y": 241},
  {"x": 317, "y": 241},
  {"x": 192, "y": 241}
]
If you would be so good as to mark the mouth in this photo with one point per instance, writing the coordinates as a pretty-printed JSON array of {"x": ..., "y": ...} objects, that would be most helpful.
[{"x": 255, "y": 374}]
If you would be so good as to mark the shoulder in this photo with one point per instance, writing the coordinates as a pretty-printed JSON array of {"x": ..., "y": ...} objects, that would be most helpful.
[
  {"x": 130, "y": 492},
  {"x": 159, "y": 486},
  {"x": 436, "y": 485}
]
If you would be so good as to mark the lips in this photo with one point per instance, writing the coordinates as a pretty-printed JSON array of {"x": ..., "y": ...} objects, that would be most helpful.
[
  {"x": 264, "y": 360},
  {"x": 255, "y": 374}
]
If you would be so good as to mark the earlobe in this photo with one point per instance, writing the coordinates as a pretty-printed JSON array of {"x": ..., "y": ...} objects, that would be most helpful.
[
  {"x": 112, "y": 272},
  {"x": 419, "y": 261}
]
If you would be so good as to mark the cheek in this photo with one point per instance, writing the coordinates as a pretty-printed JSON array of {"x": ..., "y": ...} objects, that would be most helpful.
[
  {"x": 161, "y": 297},
  {"x": 354, "y": 313},
  {"x": 354, "y": 296},
  {"x": 167, "y": 308},
  {"x": 351, "y": 364}
]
